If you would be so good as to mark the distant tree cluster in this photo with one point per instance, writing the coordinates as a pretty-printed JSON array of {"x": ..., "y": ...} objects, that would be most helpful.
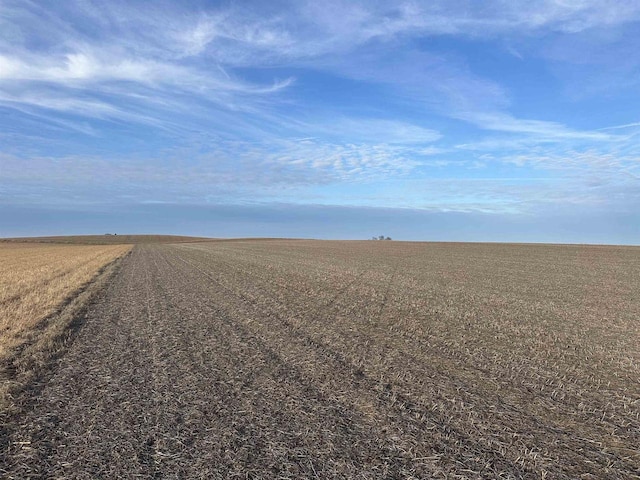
[{"x": 381, "y": 237}]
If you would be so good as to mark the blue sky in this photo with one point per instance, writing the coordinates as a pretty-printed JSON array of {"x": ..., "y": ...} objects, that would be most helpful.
[{"x": 451, "y": 120}]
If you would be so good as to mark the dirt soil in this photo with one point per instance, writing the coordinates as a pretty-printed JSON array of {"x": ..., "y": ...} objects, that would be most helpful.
[{"x": 314, "y": 359}]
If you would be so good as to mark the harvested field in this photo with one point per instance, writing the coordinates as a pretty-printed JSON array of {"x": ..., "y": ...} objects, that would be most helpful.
[
  {"x": 313, "y": 359},
  {"x": 35, "y": 281}
]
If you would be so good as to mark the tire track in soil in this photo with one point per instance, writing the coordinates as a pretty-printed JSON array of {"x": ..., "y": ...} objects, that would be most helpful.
[
  {"x": 161, "y": 384},
  {"x": 536, "y": 429},
  {"x": 401, "y": 423},
  {"x": 181, "y": 372},
  {"x": 102, "y": 376},
  {"x": 435, "y": 431},
  {"x": 288, "y": 387}
]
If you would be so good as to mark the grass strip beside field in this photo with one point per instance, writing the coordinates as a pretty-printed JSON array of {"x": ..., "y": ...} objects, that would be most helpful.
[{"x": 38, "y": 282}]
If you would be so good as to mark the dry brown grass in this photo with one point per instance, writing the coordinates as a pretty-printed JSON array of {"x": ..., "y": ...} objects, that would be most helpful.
[
  {"x": 36, "y": 279},
  {"x": 36, "y": 282}
]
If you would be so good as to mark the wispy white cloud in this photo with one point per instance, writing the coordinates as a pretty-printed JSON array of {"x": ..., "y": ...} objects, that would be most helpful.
[
  {"x": 540, "y": 130},
  {"x": 108, "y": 61},
  {"x": 263, "y": 169},
  {"x": 610, "y": 164},
  {"x": 89, "y": 68},
  {"x": 226, "y": 75},
  {"x": 368, "y": 130},
  {"x": 621, "y": 127},
  {"x": 90, "y": 44}
]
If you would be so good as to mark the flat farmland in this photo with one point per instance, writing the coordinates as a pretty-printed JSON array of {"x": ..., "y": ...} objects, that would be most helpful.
[
  {"x": 35, "y": 280},
  {"x": 318, "y": 359}
]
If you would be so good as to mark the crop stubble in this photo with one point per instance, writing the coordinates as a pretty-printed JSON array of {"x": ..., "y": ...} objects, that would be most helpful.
[
  {"x": 36, "y": 279},
  {"x": 35, "y": 282},
  {"x": 285, "y": 359}
]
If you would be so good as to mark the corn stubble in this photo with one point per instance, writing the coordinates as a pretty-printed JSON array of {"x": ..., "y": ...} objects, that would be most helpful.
[{"x": 291, "y": 359}]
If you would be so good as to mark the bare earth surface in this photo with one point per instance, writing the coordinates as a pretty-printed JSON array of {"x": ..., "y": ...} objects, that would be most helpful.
[{"x": 309, "y": 359}]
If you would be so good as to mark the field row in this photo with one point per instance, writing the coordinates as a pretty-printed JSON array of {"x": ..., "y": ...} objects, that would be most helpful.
[{"x": 288, "y": 359}]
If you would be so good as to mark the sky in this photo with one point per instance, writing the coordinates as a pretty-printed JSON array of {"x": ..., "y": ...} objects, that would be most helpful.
[{"x": 424, "y": 120}]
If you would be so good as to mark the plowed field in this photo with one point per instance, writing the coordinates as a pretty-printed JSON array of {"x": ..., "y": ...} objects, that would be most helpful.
[{"x": 309, "y": 359}]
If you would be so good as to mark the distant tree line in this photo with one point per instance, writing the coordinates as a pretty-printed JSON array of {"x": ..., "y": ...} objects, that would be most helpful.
[{"x": 381, "y": 237}]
